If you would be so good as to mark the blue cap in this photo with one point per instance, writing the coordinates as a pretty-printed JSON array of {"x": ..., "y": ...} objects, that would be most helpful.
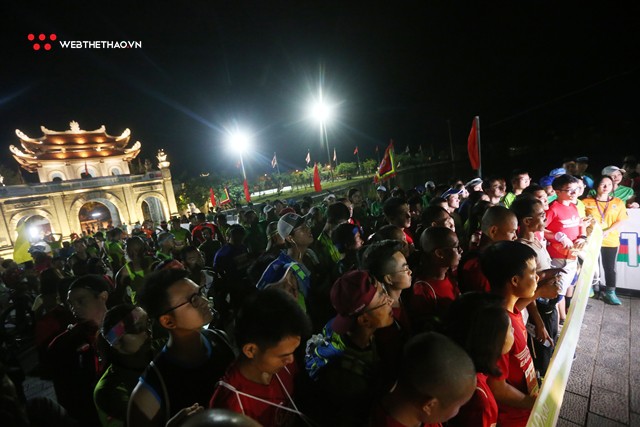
[
  {"x": 557, "y": 172},
  {"x": 450, "y": 192},
  {"x": 546, "y": 181}
]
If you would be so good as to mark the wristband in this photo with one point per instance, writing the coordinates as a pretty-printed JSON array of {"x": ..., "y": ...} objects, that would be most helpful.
[{"x": 559, "y": 236}]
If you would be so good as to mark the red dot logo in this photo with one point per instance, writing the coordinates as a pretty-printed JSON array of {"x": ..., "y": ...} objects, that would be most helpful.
[{"x": 42, "y": 37}]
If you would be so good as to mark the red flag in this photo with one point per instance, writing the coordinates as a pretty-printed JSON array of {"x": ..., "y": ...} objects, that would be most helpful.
[
  {"x": 247, "y": 195},
  {"x": 387, "y": 168},
  {"x": 86, "y": 169},
  {"x": 472, "y": 144},
  {"x": 355, "y": 151},
  {"x": 212, "y": 197},
  {"x": 316, "y": 178}
]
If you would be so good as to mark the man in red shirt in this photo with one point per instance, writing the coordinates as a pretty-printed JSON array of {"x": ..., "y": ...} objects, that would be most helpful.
[
  {"x": 510, "y": 268},
  {"x": 436, "y": 378},
  {"x": 260, "y": 382},
  {"x": 397, "y": 212}
]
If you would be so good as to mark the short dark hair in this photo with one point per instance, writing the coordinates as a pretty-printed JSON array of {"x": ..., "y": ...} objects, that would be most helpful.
[
  {"x": 516, "y": 173},
  {"x": 478, "y": 322},
  {"x": 269, "y": 316},
  {"x": 344, "y": 235},
  {"x": 598, "y": 180},
  {"x": 378, "y": 257},
  {"x": 92, "y": 282},
  {"x": 563, "y": 180},
  {"x": 337, "y": 212},
  {"x": 533, "y": 188},
  {"x": 435, "y": 237},
  {"x": 434, "y": 366},
  {"x": 437, "y": 201},
  {"x": 523, "y": 205},
  {"x": 387, "y": 232},
  {"x": 432, "y": 214},
  {"x": 391, "y": 205},
  {"x": 495, "y": 215},
  {"x": 154, "y": 298},
  {"x": 502, "y": 260},
  {"x": 486, "y": 184}
]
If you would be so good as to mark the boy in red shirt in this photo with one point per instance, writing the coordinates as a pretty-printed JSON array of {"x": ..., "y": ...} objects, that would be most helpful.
[
  {"x": 510, "y": 268},
  {"x": 565, "y": 232},
  {"x": 259, "y": 383},
  {"x": 436, "y": 378},
  {"x": 433, "y": 288}
]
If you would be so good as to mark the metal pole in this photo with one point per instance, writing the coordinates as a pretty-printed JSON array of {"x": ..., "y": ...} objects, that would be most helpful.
[
  {"x": 450, "y": 140},
  {"x": 479, "y": 149},
  {"x": 326, "y": 140},
  {"x": 244, "y": 174}
]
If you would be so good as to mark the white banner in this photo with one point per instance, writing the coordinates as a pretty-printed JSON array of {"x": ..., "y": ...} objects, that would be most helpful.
[{"x": 628, "y": 265}]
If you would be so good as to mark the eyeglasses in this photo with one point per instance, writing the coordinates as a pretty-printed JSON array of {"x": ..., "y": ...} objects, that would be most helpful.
[
  {"x": 193, "y": 300},
  {"x": 456, "y": 248},
  {"x": 404, "y": 269}
]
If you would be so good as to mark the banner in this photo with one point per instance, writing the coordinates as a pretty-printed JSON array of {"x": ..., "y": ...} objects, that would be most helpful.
[
  {"x": 21, "y": 246},
  {"x": 316, "y": 178},
  {"x": 547, "y": 407},
  {"x": 628, "y": 261},
  {"x": 227, "y": 199},
  {"x": 212, "y": 197},
  {"x": 247, "y": 194},
  {"x": 387, "y": 168},
  {"x": 472, "y": 144},
  {"x": 274, "y": 161}
]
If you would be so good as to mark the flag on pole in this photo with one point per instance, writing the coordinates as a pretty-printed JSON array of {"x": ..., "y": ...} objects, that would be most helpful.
[
  {"x": 86, "y": 168},
  {"x": 21, "y": 246},
  {"x": 308, "y": 158},
  {"x": 212, "y": 197},
  {"x": 387, "y": 168},
  {"x": 355, "y": 151},
  {"x": 247, "y": 194},
  {"x": 316, "y": 178},
  {"x": 334, "y": 155},
  {"x": 472, "y": 144},
  {"x": 228, "y": 198},
  {"x": 376, "y": 148},
  {"x": 274, "y": 161}
]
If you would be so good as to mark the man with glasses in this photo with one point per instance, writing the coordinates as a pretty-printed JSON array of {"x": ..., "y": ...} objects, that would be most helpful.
[
  {"x": 566, "y": 234},
  {"x": 181, "y": 379},
  {"x": 343, "y": 360}
]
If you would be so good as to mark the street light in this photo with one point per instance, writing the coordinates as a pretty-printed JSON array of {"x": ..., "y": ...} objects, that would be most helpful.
[
  {"x": 240, "y": 142},
  {"x": 323, "y": 113}
]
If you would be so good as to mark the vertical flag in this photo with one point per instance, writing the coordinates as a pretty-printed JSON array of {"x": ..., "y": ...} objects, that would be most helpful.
[
  {"x": 247, "y": 195},
  {"x": 387, "y": 168},
  {"x": 316, "y": 178},
  {"x": 308, "y": 158},
  {"x": 86, "y": 168},
  {"x": 335, "y": 158},
  {"x": 274, "y": 161},
  {"x": 473, "y": 144},
  {"x": 212, "y": 197},
  {"x": 355, "y": 151}
]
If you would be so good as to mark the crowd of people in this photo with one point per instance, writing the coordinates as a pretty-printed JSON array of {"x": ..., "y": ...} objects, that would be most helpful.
[{"x": 427, "y": 305}]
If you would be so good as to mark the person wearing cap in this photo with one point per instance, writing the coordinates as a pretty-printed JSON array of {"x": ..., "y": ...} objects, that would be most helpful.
[
  {"x": 127, "y": 351},
  {"x": 182, "y": 376},
  {"x": 452, "y": 196},
  {"x": 342, "y": 360},
  {"x": 381, "y": 196},
  {"x": 436, "y": 378},
  {"x": 620, "y": 191},
  {"x": 582, "y": 163},
  {"x": 519, "y": 181},
  {"x": 166, "y": 244},
  {"x": 72, "y": 356},
  {"x": 261, "y": 382},
  {"x": 495, "y": 188}
]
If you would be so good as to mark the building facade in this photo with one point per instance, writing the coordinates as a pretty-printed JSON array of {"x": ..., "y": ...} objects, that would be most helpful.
[{"x": 76, "y": 169}]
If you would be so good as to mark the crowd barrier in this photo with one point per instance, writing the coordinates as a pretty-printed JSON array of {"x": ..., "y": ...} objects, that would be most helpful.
[
  {"x": 628, "y": 261},
  {"x": 547, "y": 407}
]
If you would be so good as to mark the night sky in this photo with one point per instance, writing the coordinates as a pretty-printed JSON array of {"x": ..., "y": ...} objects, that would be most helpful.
[{"x": 552, "y": 81}]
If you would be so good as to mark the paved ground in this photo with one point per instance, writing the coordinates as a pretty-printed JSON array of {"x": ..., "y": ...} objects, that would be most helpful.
[{"x": 604, "y": 385}]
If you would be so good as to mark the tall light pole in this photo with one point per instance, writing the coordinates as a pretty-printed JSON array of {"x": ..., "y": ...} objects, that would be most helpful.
[
  {"x": 239, "y": 142},
  {"x": 322, "y": 113}
]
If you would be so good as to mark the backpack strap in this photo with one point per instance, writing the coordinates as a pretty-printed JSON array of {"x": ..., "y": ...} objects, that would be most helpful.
[{"x": 165, "y": 392}]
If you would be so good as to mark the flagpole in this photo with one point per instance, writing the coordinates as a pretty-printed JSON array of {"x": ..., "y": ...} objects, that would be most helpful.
[
  {"x": 450, "y": 140},
  {"x": 479, "y": 149},
  {"x": 277, "y": 164},
  {"x": 358, "y": 157}
]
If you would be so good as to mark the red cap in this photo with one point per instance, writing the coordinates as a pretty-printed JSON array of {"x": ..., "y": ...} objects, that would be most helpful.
[{"x": 350, "y": 296}]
